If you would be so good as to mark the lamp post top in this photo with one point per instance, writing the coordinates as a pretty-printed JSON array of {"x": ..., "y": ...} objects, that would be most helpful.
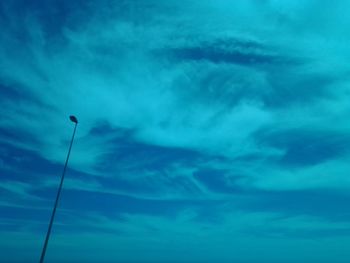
[{"x": 73, "y": 119}]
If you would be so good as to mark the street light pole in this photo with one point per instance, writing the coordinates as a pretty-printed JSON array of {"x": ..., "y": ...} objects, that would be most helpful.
[{"x": 75, "y": 120}]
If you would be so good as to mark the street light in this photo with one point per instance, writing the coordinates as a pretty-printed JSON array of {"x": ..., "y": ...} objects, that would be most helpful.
[{"x": 75, "y": 120}]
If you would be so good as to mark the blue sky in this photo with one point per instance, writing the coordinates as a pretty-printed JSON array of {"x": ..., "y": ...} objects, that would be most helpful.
[{"x": 209, "y": 131}]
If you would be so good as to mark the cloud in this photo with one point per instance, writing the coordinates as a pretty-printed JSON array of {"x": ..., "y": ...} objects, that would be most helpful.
[
  {"x": 236, "y": 100},
  {"x": 213, "y": 88},
  {"x": 222, "y": 122},
  {"x": 164, "y": 238}
]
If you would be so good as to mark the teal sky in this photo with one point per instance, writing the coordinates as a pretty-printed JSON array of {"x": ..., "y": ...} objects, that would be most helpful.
[{"x": 209, "y": 131}]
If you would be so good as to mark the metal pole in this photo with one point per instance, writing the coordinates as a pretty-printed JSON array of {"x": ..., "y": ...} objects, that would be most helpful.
[{"x": 73, "y": 119}]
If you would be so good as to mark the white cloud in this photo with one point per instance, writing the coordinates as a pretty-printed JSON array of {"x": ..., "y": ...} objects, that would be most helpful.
[
  {"x": 331, "y": 174},
  {"x": 105, "y": 71},
  {"x": 152, "y": 238}
]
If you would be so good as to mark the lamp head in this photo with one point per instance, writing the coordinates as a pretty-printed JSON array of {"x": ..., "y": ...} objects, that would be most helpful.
[{"x": 73, "y": 119}]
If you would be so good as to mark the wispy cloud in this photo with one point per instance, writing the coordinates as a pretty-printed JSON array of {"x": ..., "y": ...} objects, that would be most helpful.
[{"x": 187, "y": 112}]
